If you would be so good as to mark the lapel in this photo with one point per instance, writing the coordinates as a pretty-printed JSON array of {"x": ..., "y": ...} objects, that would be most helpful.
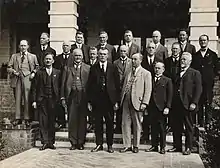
[
  {"x": 119, "y": 64},
  {"x": 207, "y": 54},
  {"x": 138, "y": 74},
  {"x": 44, "y": 73},
  {"x": 82, "y": 74},
  {"x": 127, "y": 65},
  {"x": 160, "y": 81},
  {"x": 108, "y": 72},
  {"x": 72, "y": 70},
  {"x": 158, "y": 48},
  {"x": 18, "y": 59},
  {"x": 186, "y": 47}
]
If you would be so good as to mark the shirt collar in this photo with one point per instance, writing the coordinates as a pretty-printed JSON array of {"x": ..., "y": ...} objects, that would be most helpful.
[
  {"x": 79, "y": 45},
  {"x": 44, "y": 46},
  {"x": 128, "y": 43},
  {"x": 137, "y": 69},
  {"x": 103, "y": 45},
  {"x": 123, "y": 59},
  {"x": 183, "y": 43},
  {"x": 25, "y": 53}
]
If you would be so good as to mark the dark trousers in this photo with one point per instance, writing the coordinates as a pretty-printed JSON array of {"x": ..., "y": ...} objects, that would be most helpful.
[
  {"x": 118, "y": 120},
  {"x": 60, "y": 115},
  {"x": 77, "y": 112},
  {"x": 158, "y": 125},
  {"x": 47, "y": 120},
  {"x": 179, "y": 117},
  {"x": 205, "y": 108},
  {"x": 146, "y": 128},
  {"x": 104, "y": 109}
]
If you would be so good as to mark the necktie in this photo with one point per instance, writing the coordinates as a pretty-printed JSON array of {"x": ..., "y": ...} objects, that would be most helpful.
[
  {"x": 151, "y": 61},
  {"x": 103, "y": 69},
  {"x": 22, "y": 57},
  {"x": 44, "y": 48},
  {"x": 157, "y": 78}
]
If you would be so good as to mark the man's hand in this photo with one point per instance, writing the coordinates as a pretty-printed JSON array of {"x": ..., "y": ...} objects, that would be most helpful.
[
  {"x": 89, "y": 107},
  {"x": 143, "y": 107},
  {"x": 63, "y": 102},
  {"x": 16, "y": 73},
  {"x": 116, "y": 107},
  {"x": 34, "y": 105},
  {"x": 192, "y": 107},
  {"x": 32, "y": 75},
  {"x": 166, "y": 111}
]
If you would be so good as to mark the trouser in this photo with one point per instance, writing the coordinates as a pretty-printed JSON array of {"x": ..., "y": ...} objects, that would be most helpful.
[
  {"x": 146, "y": 127},
  {"x": 181, "y": 116},
  {"x": 158, "y": 127},
  {"x": 118, "y": 119},
  {"x": 47, "y": 120},
  {"x": 60, "y": 115},
  {"x": 104, "y": 109},
  {"x": 130, "y": 116},
  {"x": 77, "y": 110}
]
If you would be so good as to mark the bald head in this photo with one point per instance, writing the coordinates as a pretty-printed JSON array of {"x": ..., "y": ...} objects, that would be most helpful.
[
  {"x": 123, "y": 50},
  {"x": 156, "y": 36},
  {"x": 66, "y": 46},
  {"x": 151, "y": 48}
]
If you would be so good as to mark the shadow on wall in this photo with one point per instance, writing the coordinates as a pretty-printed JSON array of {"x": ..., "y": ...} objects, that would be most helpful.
[{"x": 3, "y": 72}]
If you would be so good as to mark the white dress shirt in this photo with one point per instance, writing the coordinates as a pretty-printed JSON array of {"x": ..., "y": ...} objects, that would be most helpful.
[
  {"x": 66, "y": 55},
  {"x": 203, "y": 52},
  {"x": 79, "y": 45},
  {"x": 44, "y": 47},
  {"x": 150, "y": 58},
  {"x": 105, "y": 65},
  {"x": 183, "y": 45},
  {"x": 128, "y": 44},
  {"x": 49, "y": 71}
]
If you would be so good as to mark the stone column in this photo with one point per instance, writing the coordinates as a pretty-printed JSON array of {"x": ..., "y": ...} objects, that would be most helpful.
[
  {"x": 203, "y": 20},
  {"x": 63, "y": 22}
]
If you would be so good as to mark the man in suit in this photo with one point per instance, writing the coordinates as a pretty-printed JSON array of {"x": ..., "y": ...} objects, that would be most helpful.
[
  {"x": 161, "y": 51},
  {"x": 135, "y": 98},
  {"x": 123, "y": 65},
  {"x": 172, "y": 70},
  {"x": 80, "y": 44},
  {"x": 184, "y": 44},
  {"x": 93, "y": 60},
  {"x": 132, "y": 47},
  {"x": 22, "y": 67},
  {"x": 159, "y": 107},
  {"x": 103, "y": 90},
  {"x": 206, "y": 62},
  {"x": 45, "y": 98},
  {"x": 73, "y": 95},
  {"x": 43, "y": 49},
  {"x": 148, "y": 63},
  {"x": 185, "y": 103},
  {"x": 103, "y": 38},
  {"x": 60, "y": 62}
]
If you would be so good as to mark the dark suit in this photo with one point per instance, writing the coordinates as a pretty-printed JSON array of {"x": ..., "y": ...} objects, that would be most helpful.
[
  {"x": 76, "y": 97},
  {"x": 41, "y": 54},
  {"x": 189, "y": 48},
  {"x": 122, "y": 70},
  {"x": 112, "y": 56},
  {"x": 146, "y": 122},
  {"x": 103, "y": 91},
  {"x": 208, "y": 67},
  {"x": 161, "y": 53},
  {"x": 85, "y": 50},
  {"x": 46, "y": 95},
  {"x": 60, "y": 63},
  {"x": 161, "y": 98},
  {"x": 188, "y": 90}
]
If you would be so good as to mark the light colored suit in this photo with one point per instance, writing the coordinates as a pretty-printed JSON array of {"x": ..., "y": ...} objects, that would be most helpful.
[
  {"x": 139, "y": 93},
  {"x": 22, "y": 84}
]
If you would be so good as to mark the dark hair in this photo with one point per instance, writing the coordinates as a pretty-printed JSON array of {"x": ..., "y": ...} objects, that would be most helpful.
[
  {"x": 205, "y": 36},
  {"x": 103, "y": 32},
  {"x": 185, "y": 30},
  {"x": 79, "y": 32},
  {"x": 128, "y": 31},
  {"x": 47, "y": 34},
  {"x": 93, "y": 48},
  {"x": 176, "y": 43},
  {"x": 49, "y": 53}
]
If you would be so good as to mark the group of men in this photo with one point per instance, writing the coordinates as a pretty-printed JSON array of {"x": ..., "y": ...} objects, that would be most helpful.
[{"x": 143, "y": 90}]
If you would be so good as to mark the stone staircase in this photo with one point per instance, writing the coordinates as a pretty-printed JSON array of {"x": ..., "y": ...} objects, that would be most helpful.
[{"x": 4, "y": 46}]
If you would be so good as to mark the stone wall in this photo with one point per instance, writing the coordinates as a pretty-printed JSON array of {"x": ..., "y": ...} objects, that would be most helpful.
[{"x": 7, "y": 102}]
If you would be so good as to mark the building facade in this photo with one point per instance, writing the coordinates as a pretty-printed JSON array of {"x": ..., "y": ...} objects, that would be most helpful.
[{"x": 26, "y": 19}]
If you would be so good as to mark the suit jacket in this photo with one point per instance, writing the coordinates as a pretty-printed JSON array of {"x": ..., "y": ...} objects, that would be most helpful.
[
  {"x": 112, "y": 84},
  {"x": 40, "y": 82},
  {"x": 41, "y": 54},
  {"x": 145, "y": 64},
  {"x": 60, "y": 62},
  {"x": 121, "y": 70},
  {"x": 141, "y": 88},
  {"x": 161, "y": 53},
  {"x": 189, "y": 48},
  {"x": 190, "y": 87},
  {"x": 14, "y": 65},
  {"x": 68, "y": 77},
  {"x": 133, "y": 49},
  {"x": 162, "y": 93},
  {"x": 85, "y": 50},
  {"x": 207, "y": 66},
  {"x": 171, "y": 71},
  {"x": 111, "y": 51}
]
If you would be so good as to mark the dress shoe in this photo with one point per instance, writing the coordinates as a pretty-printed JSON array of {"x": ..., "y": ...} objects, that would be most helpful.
[
  {"x": 187, "y": 152},
  {"x": 97, "y": 148},
  {"x": 17, "y": 122},
  {"x": 135, "y": 150},
  {"x": 162, "y": 151},
  {"x": 110, "y": 149},
  {"x": 51, "y": 146},
  {"x": 126, "y": 149},
  {"x": 152, "y": 149},
  {"x": 45, "y": 146},
  {"x": 73, "y": 147},
  {"x": 81, "y": 147},
  {"x": 174, "y": 150}
]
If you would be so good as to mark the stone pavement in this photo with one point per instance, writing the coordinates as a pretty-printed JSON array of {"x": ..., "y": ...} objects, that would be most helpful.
[{"x": 62, "y": 157}]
